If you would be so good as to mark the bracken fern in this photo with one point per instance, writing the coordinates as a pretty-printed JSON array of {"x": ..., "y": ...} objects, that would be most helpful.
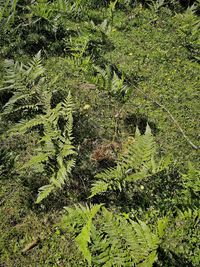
[
  {"x": 55, "y": 152},
  {"x": 25, "y": 83},
  {"x": 138, "y": 161},
  {"x": 107, "y": 239}
]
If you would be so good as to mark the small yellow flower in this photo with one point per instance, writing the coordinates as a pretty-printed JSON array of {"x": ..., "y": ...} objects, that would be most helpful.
[
  {"x": 130, "y": 54},
  {"x": 86, "y": 107},
  {"x": 142, "y": 187}
]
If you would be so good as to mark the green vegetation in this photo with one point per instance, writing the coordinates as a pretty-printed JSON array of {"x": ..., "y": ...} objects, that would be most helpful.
[{"x": 99, "y": 133}]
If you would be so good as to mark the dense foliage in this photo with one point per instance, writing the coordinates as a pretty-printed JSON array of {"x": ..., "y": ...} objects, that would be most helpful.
[{"x": 99, "y": 142}]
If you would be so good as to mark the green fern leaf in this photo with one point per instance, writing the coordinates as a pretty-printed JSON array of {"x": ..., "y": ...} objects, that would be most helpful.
[
  {"x": 149, "y": 260},
  {"x": 99, "y": 187},
  {"x": 84, "y": 237},
  {"x": 44, "y": 191},
  {"x": 108, "y": 239},
  {"x": 35, "y": 67},
  {"x": 26, "y": 83},
  {"x": 162, "y": 224},
  {"x": 35, "y": 160},
  {"x": 24, "y": 125},
  {"x": 138, "y": 161}
]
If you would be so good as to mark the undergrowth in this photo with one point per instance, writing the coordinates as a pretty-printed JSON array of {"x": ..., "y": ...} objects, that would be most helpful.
[{"x": 99, "y": 143}]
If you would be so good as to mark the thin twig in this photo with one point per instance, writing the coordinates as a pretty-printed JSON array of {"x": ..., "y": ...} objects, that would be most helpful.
[{"x": 170, "y": 115}]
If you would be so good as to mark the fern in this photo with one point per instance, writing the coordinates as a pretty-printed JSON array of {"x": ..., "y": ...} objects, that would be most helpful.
[
  {"x": 137, "y": 162},
  {"x": 191, "y": 184},
  {"x": 44, "y": 191},
  {"x": 155, "y": 6},
  {"x": 83, "y": 239},
  {"x": 56, "y": 153},
  {"x": 7, "y": 12},
  {"x": 184, "y": 229},
  {"x": 106, "y": 239},
  {"x": 25, "y": 83},
  {"x": 104, "y": 28},
  {"x": 191, "y": 180},
  {"x": 114, "y": 85}
]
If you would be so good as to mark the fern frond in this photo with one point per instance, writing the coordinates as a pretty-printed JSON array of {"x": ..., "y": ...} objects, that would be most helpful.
[
  {"x": 148, "y": 262},
  {"x": 130, "y": 242},
  {"x": 70, "y": 165},
  {"x": 136, "y": 176},
  {"x": 99, "y": 187},
  {"x": 24, "y": 125},
  {"x": 114, "y": 85},
  {"x": 14, "y": 76},
  {"x": 44, "y": 191},
  {"x": 30, "y": 108},
  {"x": 161, "y": 226},
  {"x": 136, "y": 162},
  {"x": 56, "y": 144},
  {"x": 55, "y": 151},
  {"x": 26, "y": 83},
  {"x": 83, "y": 239},
  {"x": 19, "y": 96},
  {"x": 36, "y": 68},
  {"x": 68, "y": 106},
  {"x": 111, "y": 173},
  {"x": 107, "y": 239},
  {"x": 67, "y": 149},
  {"x": 35, "y": 160},
  {"x": 140, "y": 153},
  {"x": 61, "y": 176}
]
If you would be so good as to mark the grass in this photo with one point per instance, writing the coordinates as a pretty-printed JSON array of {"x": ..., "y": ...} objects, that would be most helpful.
[{"x": 153, "y": 51}]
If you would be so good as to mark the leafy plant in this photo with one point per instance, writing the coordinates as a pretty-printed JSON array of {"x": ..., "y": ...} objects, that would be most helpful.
[
  {"x": 107, "y": 239},
  {"x": 191, "y": 183},
  {"x": 189, "y": 32},
  {"x": 156, "y": 5},
  {"x": 7, "y": 12},
  {"x": 111, "y": 10},
  {"x": 25, "y": 84},
  {"x": 137, "y": 162},
  {"x": 55, "y": 152},
  {"x": 181, "y": 239},
  {"x": 104, "y": 27},
  {"x": 124, "y": 61},
  {"x": 114, "y": 85}
]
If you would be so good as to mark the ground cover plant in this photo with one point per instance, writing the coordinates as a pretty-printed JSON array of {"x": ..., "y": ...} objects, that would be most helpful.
[{"x": 99, "y": 133}]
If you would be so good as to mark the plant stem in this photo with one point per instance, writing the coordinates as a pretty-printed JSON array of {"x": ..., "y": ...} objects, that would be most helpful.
[{"x": 170, "y": 115}]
